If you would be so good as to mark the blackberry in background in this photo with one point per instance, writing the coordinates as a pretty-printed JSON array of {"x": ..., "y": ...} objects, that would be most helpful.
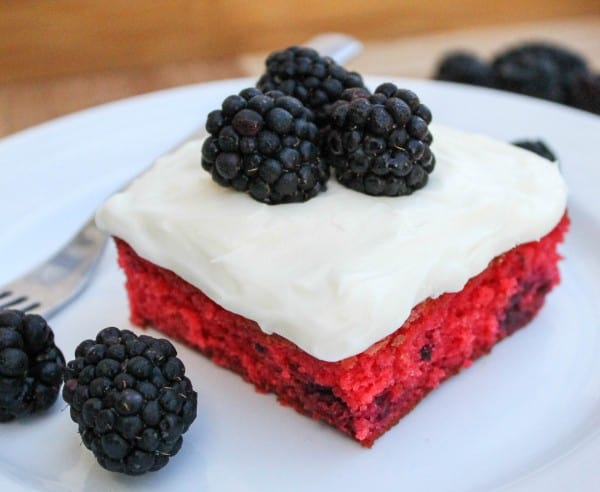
[
  {"x": 565, "y": 60},
  {"x": 466, "y": 68},
  {"x": 539, "y": 147},
  {"x": 583, "y": 91},
  {"x": 379, "y": 143},
  {"x": 131, "y": 400},
  {"x": 315, "y": 80},
  {"x": 538, "y": 69},
  {"x": 529, "y": 74},
  {"x": 31, "y": 365},
  {"x": 265, "y": 145}
]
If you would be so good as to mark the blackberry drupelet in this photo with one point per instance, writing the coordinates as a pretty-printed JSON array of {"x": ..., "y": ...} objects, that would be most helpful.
[
  {"x": 379, "y": 144},
  {"x": 31, "y": 365},
  {"x": 315, "y": 80},
  {"x": 266, "y": 145},
  {"x": 131, "y": 399},
  {"x": 465, "y": 68},
  {"x": 537, "y": 69},
  {"x": 538, "y": 147}
]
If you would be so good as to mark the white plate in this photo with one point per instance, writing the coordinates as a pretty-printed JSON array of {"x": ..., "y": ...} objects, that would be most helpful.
[{"x": 526, "y": 417}]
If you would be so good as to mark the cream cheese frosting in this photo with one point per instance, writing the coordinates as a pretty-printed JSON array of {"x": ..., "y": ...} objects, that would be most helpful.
[{"x": 342, "y": 271}]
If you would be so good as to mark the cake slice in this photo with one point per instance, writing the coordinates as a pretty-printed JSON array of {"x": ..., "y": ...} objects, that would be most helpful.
[{"x": 350, "y": 308}]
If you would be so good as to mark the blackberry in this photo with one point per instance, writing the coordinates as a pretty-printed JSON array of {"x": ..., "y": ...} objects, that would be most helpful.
[
  {"x": 538, "y": 147},
  {"x": 31, "y": 365},
  {"x": 131, "y": 399},
  {"x": 583, "y": 91},
  {"x": 266, "y": 145},
  {"x": 537, "y": 69},
  {"x": 465, "y": 68},
  {"x": 315, "y": 80},
  {"x": 379, "y": 144}
]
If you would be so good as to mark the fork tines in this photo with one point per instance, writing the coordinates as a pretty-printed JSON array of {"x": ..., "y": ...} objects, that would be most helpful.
[{"x": 16, "y": 302}]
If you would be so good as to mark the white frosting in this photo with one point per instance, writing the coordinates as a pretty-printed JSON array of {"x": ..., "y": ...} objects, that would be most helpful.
[{"x": 340, "y": 272}]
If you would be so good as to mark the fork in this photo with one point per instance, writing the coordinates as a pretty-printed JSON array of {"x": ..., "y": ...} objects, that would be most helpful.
[{"x": 57, "y": 281}]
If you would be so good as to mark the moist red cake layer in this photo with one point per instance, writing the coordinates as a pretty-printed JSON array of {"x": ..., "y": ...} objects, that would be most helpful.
[{"x": 366, "y": 394}]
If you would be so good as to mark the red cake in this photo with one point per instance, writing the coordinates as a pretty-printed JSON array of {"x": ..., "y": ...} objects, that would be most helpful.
[
  {"x": 348, "y": 307},
  {"x": 366, "y": 394}
]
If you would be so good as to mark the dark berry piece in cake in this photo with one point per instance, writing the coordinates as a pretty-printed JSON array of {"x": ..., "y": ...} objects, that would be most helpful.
[
  {"x": 465, "y": 68},
  {"x": 538, "y": 147},
  {"x": 379, "y": 143},
  {"x": 131, "y": 399},
  {"x": 265, "y": 145},
  {"x": 537, "y": 69},
  {"x": 583, "y": 91},
  {"x": 301, "y": 72},
  {"x": 425, "y": 352},
  {"x": 31, "y": 365}
]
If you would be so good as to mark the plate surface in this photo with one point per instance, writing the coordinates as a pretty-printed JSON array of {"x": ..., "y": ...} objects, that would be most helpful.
[{"x": 526, "y": 417}]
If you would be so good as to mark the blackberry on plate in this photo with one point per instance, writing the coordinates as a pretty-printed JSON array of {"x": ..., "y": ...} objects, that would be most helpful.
[
  {"x": 465, "y": 68},
  {"x": 265, "y": 145},
  {"x": 379, "y": 144},
  {"x": 315, "y": 80},
  {"x": 537, "y": 69},
  {"x": 31, "y": 365},
  {"x": 131, "y": 399},
  {"x": 538, "y": 147}
]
